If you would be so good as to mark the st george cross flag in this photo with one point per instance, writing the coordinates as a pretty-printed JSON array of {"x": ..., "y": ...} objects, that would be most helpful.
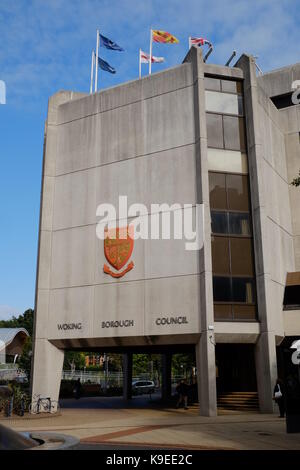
[
  {"x": 164, "y": 37},
  {"x": 105, "y": 66},
  {"x": 145, "y": 58},
  {"x": 109, "y": 44},
  {"x": 199, "y": 42}
]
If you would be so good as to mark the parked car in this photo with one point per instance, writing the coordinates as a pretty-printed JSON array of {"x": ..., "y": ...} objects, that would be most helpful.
[{"x": 143, "y": 386}]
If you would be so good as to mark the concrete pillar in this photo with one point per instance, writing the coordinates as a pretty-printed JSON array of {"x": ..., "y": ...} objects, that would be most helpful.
[
  {"x": 47, "y": 370},
  {"x": 206, "y": 374},
  {"x": 166, "y": 363},
  {"x": 266, "y": 370},
  {"x": 127, "y": 376}
]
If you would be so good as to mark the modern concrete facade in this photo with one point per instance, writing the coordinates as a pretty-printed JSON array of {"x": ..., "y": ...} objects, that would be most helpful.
[{"x": 150, "y": 140}]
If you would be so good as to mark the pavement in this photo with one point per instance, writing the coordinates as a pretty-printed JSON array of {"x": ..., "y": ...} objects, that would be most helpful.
[{"x": 111, "y": 423}]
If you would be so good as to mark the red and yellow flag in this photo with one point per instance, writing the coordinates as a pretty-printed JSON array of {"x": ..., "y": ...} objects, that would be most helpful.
[{"x": 164, "y": 37}]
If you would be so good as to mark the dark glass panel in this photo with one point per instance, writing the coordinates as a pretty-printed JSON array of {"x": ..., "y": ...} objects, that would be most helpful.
[
  {"x": 234, "y": 135},
  {"x": 219, "y": 222},
  {"x": 217, "y": 191},
  {"x": 239, "y": 224},
  {"x": 222, "y": 289},
  {"x": 214, "y": 130},
  {"x": 241, "y": 257},
  {"x": 212, "y": 83},
  {"x": 242, "y": 290},
  {"x": 220, "y": 255},
  {"x": 222, "y": 312},
  {"x": 291, "y": 297},
  {"x": 240, "y": 105},
  {"x": 237, "y": 192},
  {"x": 244, "y": 312},
  {"x": 229, "y": 86}
]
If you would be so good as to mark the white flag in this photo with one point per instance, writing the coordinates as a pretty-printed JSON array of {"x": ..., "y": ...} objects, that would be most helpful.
[{"x": 145, "y": 58}]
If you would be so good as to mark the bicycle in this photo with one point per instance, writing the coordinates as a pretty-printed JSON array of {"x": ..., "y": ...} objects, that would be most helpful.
[{"x": 43, "y": 405}]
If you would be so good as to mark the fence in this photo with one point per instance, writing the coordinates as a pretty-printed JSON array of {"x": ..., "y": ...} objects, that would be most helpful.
[{"x": 111, "y": 379}]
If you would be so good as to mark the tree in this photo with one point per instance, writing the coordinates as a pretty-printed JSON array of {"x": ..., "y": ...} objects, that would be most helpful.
[
  {"x": 74, "y": 360},
  {"x": 296, "y": 181},
  {"x": 22, "y": 321},
  {"x": 24, "y": 361}
]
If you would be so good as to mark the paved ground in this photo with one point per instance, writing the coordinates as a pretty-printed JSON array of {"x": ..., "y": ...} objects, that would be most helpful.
[{"x": 111, "y": 423}]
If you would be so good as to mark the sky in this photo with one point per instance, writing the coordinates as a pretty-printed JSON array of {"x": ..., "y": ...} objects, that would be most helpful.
[{"x": 45, "y": 46}]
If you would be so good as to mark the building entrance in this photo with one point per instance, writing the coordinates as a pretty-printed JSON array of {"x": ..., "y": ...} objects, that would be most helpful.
[{"x": 235, "y": 368}]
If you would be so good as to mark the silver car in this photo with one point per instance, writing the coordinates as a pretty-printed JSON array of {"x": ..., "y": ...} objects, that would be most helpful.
[{"x": 143, "y": 386}]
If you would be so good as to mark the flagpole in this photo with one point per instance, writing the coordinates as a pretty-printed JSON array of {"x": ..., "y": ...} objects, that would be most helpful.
[
  {"x": 150, "y": 58},
  {"x": 140, "y": 65},
  {"x": 97, "y": 65},
  {"x": 92, "y": 71},
  {"x": 189, "y": 42}
]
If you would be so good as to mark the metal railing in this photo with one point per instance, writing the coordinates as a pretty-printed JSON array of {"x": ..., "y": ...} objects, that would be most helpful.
[{"x": 115, "y": 378}]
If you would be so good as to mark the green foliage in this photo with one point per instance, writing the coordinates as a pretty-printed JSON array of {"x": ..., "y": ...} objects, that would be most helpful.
[
  {"x": 115, "y": 362},
  {"x": 21, "y": 399},
  {"x": 146, "y": 364},
  {"x": 296, "y": 181},
  {"x": 74, "y": 360},
  {"x": 182, "y": 363},
  {"x": 22, "y": 321},
  {"x": 26, "y": 357}
]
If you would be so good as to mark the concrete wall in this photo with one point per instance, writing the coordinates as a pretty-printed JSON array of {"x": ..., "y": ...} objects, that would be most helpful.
[
  {"x": 135, "y": 140},
  {"x": 147, "y": 140}
]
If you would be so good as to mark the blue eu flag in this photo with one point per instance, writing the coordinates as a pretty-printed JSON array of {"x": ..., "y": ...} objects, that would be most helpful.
[
  {"x": 109, "y": 44},
  {"x": 105, "y": 66}
]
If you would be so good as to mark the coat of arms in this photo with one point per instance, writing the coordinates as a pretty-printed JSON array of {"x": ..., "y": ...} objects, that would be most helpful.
[{"x": 118, "y": 246}]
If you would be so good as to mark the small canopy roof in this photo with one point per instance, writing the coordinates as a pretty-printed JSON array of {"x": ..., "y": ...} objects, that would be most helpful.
[{"x": 7, "y": 335}]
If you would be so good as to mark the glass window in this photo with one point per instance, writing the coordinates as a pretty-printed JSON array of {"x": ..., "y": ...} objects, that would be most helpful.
[
  {"x": 217, "y": 191},
  {"x": 241, "y": 257},
  {"x": 231, "y": 86},
  {"x": 220, "y": 255},
  {"x": 230, "y": 161},
  {"x": 212, "y": 83},
  {"x": 222, "y": 289},
  {"x": 223, "y": 312},
  {"x": 234, "y": 133},
  {"x": 242, "y": 290},
  {"x": 226, "y": 103},
  {"x": 219, "y": 222},
  {"x": 244, "y": 312},
  {"x": 237, "y": 192},
  {"x": 214, "y": 130},
  {"x": 239, "y": 224},
  {"x": 240, "y": 105}
]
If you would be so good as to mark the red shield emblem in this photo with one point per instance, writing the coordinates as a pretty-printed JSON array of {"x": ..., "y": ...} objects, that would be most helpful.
[{"x": 118, "y": 246}]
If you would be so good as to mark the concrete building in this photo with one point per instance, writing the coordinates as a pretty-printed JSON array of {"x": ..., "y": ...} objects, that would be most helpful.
[{"x": 194, "y": 134}]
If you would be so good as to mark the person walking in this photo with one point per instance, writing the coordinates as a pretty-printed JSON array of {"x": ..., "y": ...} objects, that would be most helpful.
[
  {"x": 182, "y": 389},
  {"x": 279, "y": 397},
  {"x": 77, "y": 389}
]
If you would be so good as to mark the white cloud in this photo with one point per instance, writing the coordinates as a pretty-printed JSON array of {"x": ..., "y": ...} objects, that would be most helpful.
[{"x": 46, "y": 44}]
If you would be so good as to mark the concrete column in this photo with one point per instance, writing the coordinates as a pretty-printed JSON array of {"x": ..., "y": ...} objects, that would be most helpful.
[
  {"x": 266, "y": 370},
  {"x": 47, "y": 370},
  {"x": 206, "y": 374},
  {"x": 127, "y": 376},
  {"x": 166, "y": 376}
]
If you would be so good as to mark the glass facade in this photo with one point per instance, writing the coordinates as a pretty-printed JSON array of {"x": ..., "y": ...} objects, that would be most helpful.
[{"x": 232, "y": 250}]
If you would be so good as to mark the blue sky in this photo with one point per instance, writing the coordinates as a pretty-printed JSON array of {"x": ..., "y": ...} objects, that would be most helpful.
[{"x": 46, "y": 46}]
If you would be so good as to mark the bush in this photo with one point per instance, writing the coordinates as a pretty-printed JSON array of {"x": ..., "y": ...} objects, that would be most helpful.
[{"x": 21, "y": 399}]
